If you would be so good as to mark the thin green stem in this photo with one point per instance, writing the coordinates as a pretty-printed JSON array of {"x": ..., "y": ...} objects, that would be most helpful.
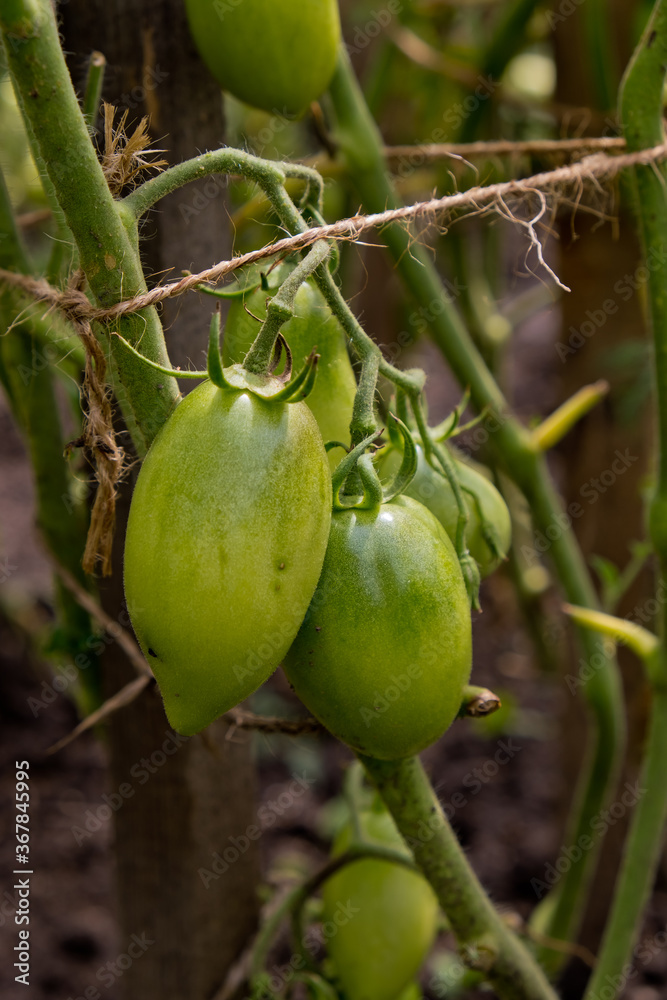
[
  {"x": 361, "y": 147},
  {"x": 106, "y": 253},
  {"x": 94, "y": 84},
  {"x": 600, "y": 52},
  {"x": 641, "y": 107},
  {"x": 485, "y": 941},
  {"x": 640, "y": 862},
  {"x": 363, "y": 412},
  {"x": 281, "y": 309},
  {"x": 266, "y": 173}
]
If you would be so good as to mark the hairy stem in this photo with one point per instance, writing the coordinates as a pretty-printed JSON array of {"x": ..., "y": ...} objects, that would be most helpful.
[
  {"x": 485, "y": 941},
  {"x": 266, "y": 173},
  {"x": 281, "y": 309}
]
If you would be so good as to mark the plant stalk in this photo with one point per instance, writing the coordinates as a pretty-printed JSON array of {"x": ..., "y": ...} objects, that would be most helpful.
[
  {"x": 29, "y": 383},
  {"x": 485, "y": 941},
  {"x": 361, "y": 147}
]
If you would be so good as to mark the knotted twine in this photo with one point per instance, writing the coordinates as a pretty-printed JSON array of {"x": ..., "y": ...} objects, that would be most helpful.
[{"x": 98, "y": 439}]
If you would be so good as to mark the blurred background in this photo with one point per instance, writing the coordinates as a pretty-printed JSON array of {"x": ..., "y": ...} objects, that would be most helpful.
[{"x": 110, "y": 865}]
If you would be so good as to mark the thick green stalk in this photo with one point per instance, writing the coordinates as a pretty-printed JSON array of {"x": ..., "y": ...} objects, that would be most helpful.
[
  {"x": 281, "y": 309},
  {"x": 641, "y": 108},
  {"x": 600, "y": 52},
  {"x": 28, "y": 381},
  {"x": 485, "y": 941},
  {"x": 361, "y": 146},
  {"x": 106, "y": 253}
]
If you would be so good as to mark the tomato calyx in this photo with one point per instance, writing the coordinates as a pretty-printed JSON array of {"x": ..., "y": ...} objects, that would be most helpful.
[
  {"x": 355, "y": 482},
  {"x": 272, "y": 388}
]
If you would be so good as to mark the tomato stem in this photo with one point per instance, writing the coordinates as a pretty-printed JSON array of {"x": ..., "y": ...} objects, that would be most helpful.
[
  {"x": 641, "y": 112},
  {"x": 73, "y": 176}
]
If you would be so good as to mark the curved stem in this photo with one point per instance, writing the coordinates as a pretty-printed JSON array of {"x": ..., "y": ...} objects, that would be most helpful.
[
  {"x": 281, "y": 308},
  {"x": 361, "y": 147},
  {"x": 265, "y": 173},
  {"x": 485, "y": 941}
]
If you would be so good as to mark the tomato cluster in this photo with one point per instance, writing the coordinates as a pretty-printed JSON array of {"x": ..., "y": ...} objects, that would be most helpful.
[{"x": 235, "y": 563}]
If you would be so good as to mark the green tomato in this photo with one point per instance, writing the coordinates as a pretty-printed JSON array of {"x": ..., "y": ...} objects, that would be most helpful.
[
  {"x": 225, "y": 542},
  {"x": 385, "y": 648},
  {"x": 380, "y": 949},
  {"x": 312, "y": 326},
  {"x": 275, "y": 55},
  {"x": 432, "y": 489}
]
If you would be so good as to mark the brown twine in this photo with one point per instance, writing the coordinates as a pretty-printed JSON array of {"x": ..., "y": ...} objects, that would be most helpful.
[
  {"x": 98, "y": 437},
  {"x": 492, "y": 197}
]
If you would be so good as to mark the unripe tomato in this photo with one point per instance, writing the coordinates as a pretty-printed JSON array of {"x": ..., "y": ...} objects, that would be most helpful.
[
  {"x": 385, "y": 648},
  {"x": 226, "y": 536},
  {"x": 380, "y": 949},
  {"x": 432, "y": 489},
  {"x": 312, "y": 326},
  {"x": 278, "y": 55}
]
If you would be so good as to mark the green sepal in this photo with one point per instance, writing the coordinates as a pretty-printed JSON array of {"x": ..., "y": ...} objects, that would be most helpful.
[
  {"x": 330, "y": 445},
  {"x": 489, "y": 531},
  {"x": 318, "y": 987},
  {"x": 280, "y": 346},
  {"x": 301, "y": 385},
  {"x": 408, "y": 468},
  {"x": 451, "y": 424},
  {"x": 214, "y": 367},
  {"x": 173, "y": 372}
]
